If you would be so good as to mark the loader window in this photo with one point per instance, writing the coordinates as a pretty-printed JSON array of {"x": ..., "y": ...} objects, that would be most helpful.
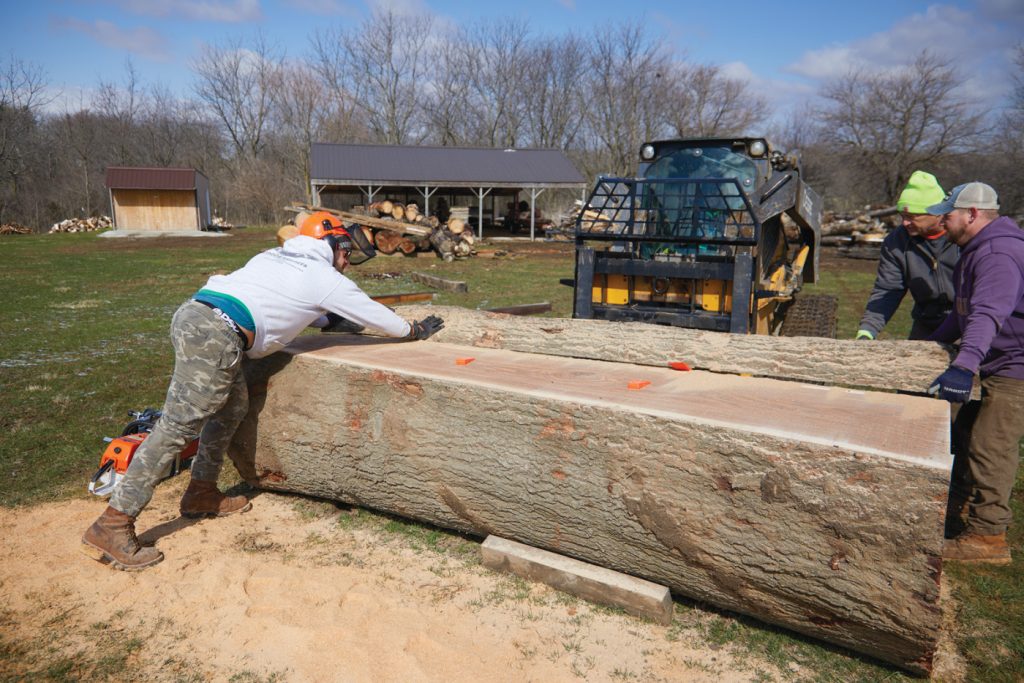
[
  {"x": 696, "y": 210},
  {"x": 705, "y": 162}
]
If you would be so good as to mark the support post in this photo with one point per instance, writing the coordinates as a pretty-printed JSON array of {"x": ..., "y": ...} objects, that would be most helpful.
[
  {"x": 534, "y": 193},
  {"x": 427, "y": 194},
  {"x": 314, "y": 191},
  {"x": 480, "y": 193},
  {"x": 369, "y": 191}
]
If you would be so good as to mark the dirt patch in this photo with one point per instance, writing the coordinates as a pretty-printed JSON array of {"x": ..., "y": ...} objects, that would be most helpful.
[{"x": 304, "y": 591}]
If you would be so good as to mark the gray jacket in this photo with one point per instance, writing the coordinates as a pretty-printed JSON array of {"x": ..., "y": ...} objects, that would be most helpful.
[{"x": 921, "y": 266}]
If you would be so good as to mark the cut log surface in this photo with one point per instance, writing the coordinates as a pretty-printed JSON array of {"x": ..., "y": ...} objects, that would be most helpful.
[
  {"x": 818, "y": 509},
  {"x": 879, "y": 365}
]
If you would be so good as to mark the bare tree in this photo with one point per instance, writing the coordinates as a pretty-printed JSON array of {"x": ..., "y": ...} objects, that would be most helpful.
[
  {"x": 894, "y": 123},
  {"x": 382, "y": 64},
  {"x": 122, "y": 107},
  {"x": 710, "y": 104},
  {"x": 496, "y": 59},
  {"x": 628, "y": 94},
  {"x": 448, "y": 116},
  {"x": 22, "y": 95},
  {"x": 307, "y": 112},
  {"x": 236, "y": 84},
  {"x": 553, "y": 92}
]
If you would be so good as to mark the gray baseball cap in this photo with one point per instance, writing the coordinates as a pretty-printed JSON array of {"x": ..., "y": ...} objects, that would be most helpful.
[{"x": 967, "y": 196}]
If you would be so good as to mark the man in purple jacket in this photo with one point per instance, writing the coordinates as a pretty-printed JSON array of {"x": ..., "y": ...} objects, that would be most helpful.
[{"x": 988, "y": 318}]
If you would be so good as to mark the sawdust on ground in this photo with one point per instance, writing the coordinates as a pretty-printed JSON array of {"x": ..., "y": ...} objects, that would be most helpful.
[{"x": 299, "y": 590}]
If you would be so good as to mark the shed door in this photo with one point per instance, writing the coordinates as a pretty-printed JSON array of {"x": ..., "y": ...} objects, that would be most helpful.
[{"x": 155, "y": 209}]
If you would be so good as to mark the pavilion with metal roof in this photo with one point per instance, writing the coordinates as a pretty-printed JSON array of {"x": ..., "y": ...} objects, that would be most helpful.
[{"x": 366, "y": 173}]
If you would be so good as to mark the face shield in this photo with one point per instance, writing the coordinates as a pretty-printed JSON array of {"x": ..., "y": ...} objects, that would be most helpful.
[{"x": 354, "y": 240}]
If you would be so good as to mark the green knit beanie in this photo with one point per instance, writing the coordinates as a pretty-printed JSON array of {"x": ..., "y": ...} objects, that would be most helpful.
[{"x": 922, "y": 191}]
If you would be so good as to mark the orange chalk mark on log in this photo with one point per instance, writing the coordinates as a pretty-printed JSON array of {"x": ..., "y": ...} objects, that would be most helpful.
[
  {"x": 558, "y": 474},
  {"x": 639, "y": 383},
  {"x": 464, "y": 361},
  {"x": 679, "y": 365}
]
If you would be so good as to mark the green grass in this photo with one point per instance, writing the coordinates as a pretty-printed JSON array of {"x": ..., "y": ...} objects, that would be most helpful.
[{"x": 83, "y": 339}]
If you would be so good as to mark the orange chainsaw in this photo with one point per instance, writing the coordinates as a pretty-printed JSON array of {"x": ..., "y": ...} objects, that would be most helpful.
[{"x": 120, "y": 451}]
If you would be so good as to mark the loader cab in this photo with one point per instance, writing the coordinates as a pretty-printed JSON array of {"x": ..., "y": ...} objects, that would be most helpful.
[{"x": 697, "y": 240}]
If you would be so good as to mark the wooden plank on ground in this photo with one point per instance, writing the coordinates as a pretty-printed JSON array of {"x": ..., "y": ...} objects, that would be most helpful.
[
  {"x": 908, "y": 366},
  {"x": 815, "y": 508},
  {"x": 589, "y": 581},
  {"x": 523, "y": 309},
  {"x": 402, "y": 298},
  {"x": 439, "y": 283}
]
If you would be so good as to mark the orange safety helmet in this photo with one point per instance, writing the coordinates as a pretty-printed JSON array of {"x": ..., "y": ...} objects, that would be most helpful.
[{"x": 322, "y": 225}]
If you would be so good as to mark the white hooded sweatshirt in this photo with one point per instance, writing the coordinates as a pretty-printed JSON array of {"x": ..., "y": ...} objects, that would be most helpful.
[{"x": 288, "y": 288}]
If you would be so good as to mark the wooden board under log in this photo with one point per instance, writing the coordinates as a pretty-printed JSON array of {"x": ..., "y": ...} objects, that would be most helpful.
[
  {"x": 908, "y": 366},
  {"x": 818, "y": 509},
  {"x": 439, "y": 283}
]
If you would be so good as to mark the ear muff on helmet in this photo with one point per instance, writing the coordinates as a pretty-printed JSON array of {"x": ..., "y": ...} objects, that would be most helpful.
[{"x": 324, "y": 226}]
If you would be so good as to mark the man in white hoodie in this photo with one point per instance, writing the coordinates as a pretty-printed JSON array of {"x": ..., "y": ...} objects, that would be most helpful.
[{"x": 253, "y": 312}]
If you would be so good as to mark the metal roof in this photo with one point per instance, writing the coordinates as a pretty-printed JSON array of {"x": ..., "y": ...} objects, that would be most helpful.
[
  {"x": 136, "y": 178},
  {"x": 336, "y": 164}
]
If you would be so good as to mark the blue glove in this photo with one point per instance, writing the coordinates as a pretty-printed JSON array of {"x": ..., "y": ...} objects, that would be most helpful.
[{"x": 954, "y": 385}]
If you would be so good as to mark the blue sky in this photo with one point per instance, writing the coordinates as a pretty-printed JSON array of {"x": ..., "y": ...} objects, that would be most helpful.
[{"x": 784, "y": 49}]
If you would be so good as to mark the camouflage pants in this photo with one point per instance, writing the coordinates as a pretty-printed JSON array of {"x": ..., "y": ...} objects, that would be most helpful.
[{"x": 207, "y": 394}]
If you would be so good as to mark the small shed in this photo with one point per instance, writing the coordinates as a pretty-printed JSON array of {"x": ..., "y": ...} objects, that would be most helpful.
[{"x": 158, "y": 199}]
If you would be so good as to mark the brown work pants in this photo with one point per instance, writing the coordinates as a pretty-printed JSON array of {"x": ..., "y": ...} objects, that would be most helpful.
[{"x": 986, "y": 437}]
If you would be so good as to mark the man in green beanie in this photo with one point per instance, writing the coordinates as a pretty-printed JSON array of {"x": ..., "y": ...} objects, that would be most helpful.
[{"x": 916, "y": 257}]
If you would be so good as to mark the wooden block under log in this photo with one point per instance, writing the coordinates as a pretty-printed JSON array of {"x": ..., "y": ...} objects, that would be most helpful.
[
  {"x": 881, "y": 365},
  {"x": 588, "y": 581},
  {"x": 818, "y": 509},
  {"x": 439, "y": 283}
]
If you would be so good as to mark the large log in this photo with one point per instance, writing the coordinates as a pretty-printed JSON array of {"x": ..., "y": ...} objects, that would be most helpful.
[
  {"x": 817, "y": 509},
  {"x": 908, "y": 366}
]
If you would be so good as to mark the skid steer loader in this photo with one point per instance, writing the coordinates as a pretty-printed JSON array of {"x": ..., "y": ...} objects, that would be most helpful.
[{"x": 698, "y": 241}]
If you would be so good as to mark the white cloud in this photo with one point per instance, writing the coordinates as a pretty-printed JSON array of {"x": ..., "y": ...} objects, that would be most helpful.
[
  {"x": 402, "y": 7},
  {"x": 142, "y": 40},
  {"x": 228, "y": 11},
  {"x": 1009, "y": 11},
  {"x": 976, "y": 43},
  {"x": 325, "y": 8},
  {"x": 738, "y": 71}
]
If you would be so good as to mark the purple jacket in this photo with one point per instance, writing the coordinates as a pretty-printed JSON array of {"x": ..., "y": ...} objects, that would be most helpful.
[{"x": 988, "y": 315}]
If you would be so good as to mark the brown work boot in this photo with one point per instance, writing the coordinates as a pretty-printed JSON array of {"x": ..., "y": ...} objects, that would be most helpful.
[
  {"x": 202, "y": 499},
  {"x": 112, "y": 539},
  {"x": 973, "y": 547}
]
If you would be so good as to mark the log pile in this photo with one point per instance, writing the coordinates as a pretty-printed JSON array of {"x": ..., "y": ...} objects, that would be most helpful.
[
  {"x": 219, "y": 223},
  {"x": 82, "y": 224},
  {"x": 814, "y": 508},
  {"x": 14, "y": 229},
  {"x": 395, "y": 228}
]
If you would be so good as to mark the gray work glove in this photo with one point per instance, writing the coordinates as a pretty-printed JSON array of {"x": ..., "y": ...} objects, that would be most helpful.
[
  {"x": 337, "y": 324},
  {"x": 423, "y": 329}
]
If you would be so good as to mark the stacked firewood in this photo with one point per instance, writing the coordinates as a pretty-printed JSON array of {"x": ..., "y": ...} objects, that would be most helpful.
[
  {"x": 219, "y": 223},
  {"x": 82, "y": 224},
  {"x": 14, "y": 229},
  {"x": 592, "y": 221},
  {"x": 396, "y": 228},
  {"x": 450, "y": 240}
]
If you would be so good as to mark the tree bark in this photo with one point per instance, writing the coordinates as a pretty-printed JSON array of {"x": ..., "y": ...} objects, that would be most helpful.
[
  {"x": 908, "y": 366},
  {"x": 817, "y": 509}
]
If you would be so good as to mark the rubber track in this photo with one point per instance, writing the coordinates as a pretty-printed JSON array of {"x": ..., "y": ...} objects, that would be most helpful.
[{"x": 812, "y": 315}]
